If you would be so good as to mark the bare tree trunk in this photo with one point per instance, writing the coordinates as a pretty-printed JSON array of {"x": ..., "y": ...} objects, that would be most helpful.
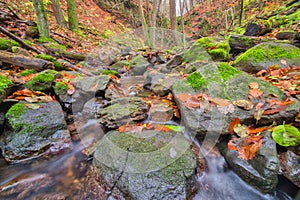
[
  {"x": 241, "y": 11},
  {"x": 172, "y": 14},
  {"x": 148, "y": 15},
  {"x": 58, "y": 14},
  {"x": 72, "y": 15},
  {"x": 41, "y": 17}
]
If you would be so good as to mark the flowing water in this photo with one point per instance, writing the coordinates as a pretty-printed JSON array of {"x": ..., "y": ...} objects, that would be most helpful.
[{"x": 67, "y": 176}]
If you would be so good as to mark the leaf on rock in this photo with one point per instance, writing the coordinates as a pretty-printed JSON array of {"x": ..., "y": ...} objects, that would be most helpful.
[
  {"x": 283, "y": 62},
  {"x": 71, "y": 89},
  {"x": 241, "y": 130},
  {"x": 192, "y": 102},
  {"x": 220, "y": 102},
  {"x": 254, "y": 130},
  {"x": 183, "y": 97},
  {"x": 286, "y": 135},
  {"x": 234, "y": 122},
  {"x": 244, "y": 104},
  {"x": 226, "y": 109},
  {"x": 136, "y": 128},
  {"x": 249, "y": 147},
  {"x": 254, "y": 93},
  {"x": 253, "y": 85},
  {"x": 33, "y": 106}
]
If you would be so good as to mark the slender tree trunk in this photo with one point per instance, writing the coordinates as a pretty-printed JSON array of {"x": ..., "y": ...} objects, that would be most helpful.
[
  {"x": 72, "y": 15},
  {"x": 142, "y": 17},
  {"x": 241, "y": 11},
  {"x": 172, "y": 14},
  {"x": 41, "y": 18},
  {"x": 58, "y": 14}
]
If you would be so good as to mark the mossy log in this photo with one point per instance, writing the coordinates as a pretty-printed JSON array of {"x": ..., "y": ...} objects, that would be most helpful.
[
  {"x": 60, "y": 53},
  {"x": 25, "y": 61}
]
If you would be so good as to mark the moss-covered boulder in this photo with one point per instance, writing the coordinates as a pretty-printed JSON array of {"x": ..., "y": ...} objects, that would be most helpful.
[
  {"x": 122, "y": 111},
  {"x": 147, "y": 165},
  {"x": 265, "y": 55},
  {"x": 6, "y": 44},
  {"x": 196, "y": 53},
  {"x": 33, "y": 129},
  {"x": 220, "y": 80},
  {"x": 218, "y": 49},
  {"x": 4, "y": 84},
  {"x": 41, "y": 82}
]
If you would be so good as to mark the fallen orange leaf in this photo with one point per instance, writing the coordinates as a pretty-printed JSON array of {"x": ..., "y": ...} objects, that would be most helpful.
[
  {"x": 253, "y": 85},
  {"x": 234, "y": 122}
]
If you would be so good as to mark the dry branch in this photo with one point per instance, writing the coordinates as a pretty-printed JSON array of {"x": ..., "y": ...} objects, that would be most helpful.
[
  {"x": 19, "y": 40},
  {"x": 67, "y": 64}
]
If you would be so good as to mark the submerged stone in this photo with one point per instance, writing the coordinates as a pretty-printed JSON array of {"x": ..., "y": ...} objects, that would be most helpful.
[{"x": 149, "y": 165}]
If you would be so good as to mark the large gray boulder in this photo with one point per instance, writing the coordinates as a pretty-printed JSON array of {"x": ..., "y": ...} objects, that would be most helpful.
[
  {"x": 265, "y": 55},
  {"x": 148, "y": 165},
  {"x": 260, "y": 172},
  {"x": 33, "y": 129},
  {"x": 224, "y": 82}
]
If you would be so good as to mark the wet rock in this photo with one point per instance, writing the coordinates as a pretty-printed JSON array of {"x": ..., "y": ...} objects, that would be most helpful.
[
  {"x": 31, "y": 131},
  {"x": 175, "y": 61},
  {"x": 88, "y": 88},
  {"x": 260, "y": 172},
  {"x": 285, "y": 35},
  {"x": 162, "y": 86},
  {"x": 150, "y": 165},
  {"x": 258, "y": 28},
  {"x": 161, "y": 112},
  {"x": 240, "y": 43},
  {"x": 120, "y": 66},
  {"x": 138, "y": 65},
  {"x": 122, "y": 111},
  {"x": 264, "y": 55},
  {"x": 222, "y": 81},
  {"x": 152, "y": 77},
  {"x": 290, "y": 166}
]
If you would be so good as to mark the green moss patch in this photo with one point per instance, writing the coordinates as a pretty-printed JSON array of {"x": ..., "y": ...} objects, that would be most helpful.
[
  {"x": 6, "y": 44},
  {"x": 196, "y": 80},
  {"x": 268, "y": 51},
  {"x": 227, "y": 71},
  {"x": 16, "y": 111},
  {"x": 41, "y": 82},
  {"x": 60, "y": 88},
  {"x": 219, "y": 50},
  {"x": 4, "y": 83},
  {"x": 27, "y": 72},
  {"x": 195, "y": 54},
  {"x": 112, "y": 72},
  {"x": 46, "y": 57}
]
